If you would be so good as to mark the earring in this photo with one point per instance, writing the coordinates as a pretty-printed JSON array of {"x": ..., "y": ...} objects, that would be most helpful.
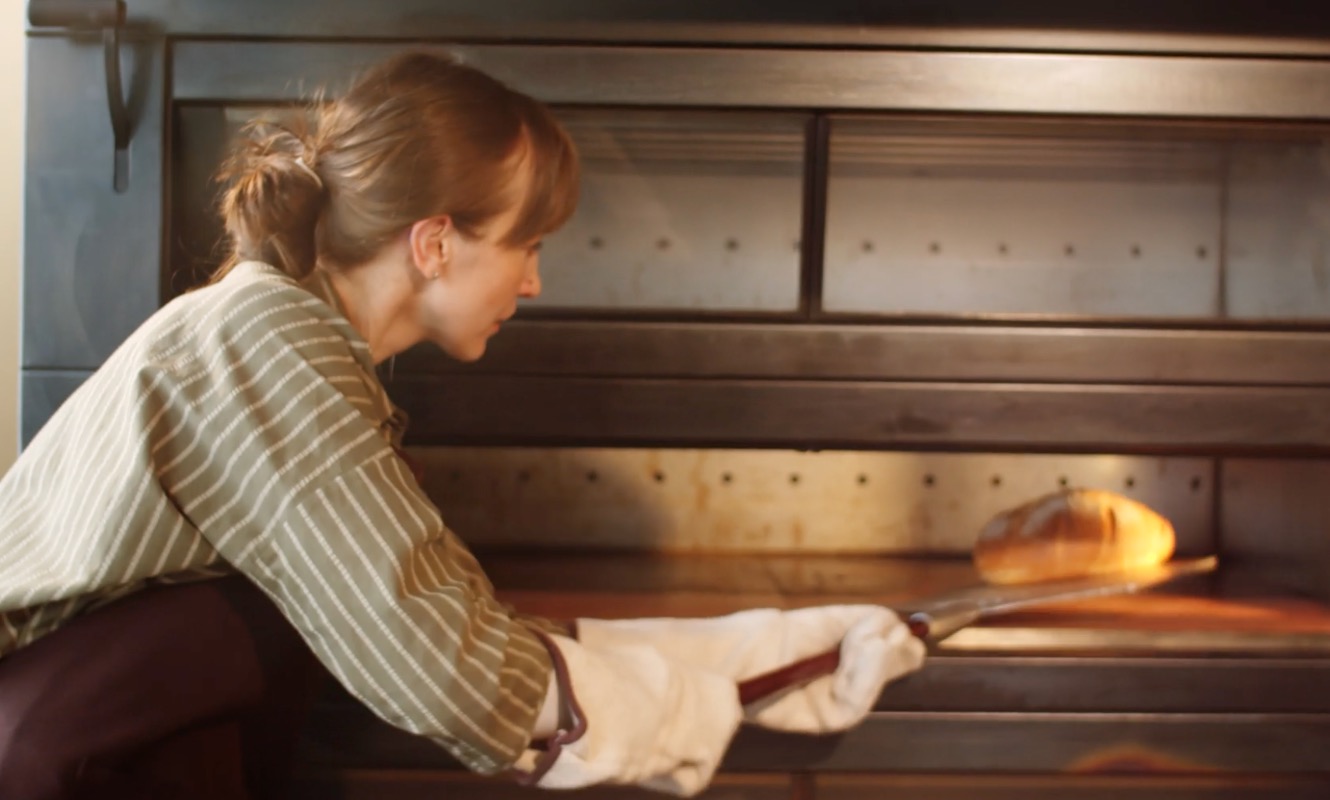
[{"x": 434, "y": 276}]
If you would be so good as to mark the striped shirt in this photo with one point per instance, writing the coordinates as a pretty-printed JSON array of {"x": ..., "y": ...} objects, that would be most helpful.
[{"x": 242, "y": 427}]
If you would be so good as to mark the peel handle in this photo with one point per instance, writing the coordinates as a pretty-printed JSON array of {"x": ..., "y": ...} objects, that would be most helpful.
[{"x": 800, "y": 672}]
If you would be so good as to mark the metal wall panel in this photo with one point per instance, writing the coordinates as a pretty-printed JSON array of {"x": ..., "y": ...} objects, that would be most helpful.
[
  {"x": 933, "y": 220},
  {"x": 1275, "y": 514},
  {"x": 680, "y": 210},
  {"x": 1277, "y": 231},
  {"x": 717, "y": 501},
  {"x": 92, "y": 257}
]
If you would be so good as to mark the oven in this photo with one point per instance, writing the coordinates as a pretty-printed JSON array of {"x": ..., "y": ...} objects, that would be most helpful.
[{"x": 844, "y": 283}]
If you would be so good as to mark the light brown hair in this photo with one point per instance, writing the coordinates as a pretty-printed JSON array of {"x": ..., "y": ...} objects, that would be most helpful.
[{"x": 417, "y": 136}]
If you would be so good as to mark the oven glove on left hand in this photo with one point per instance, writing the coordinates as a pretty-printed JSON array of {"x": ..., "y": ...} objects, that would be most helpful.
[
  {"x": 636, "y": 718},
  {"x": 876, "y": 647}
]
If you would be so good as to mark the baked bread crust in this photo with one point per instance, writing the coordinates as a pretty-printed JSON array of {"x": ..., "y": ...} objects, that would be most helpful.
[{"x": 1071, "y": 534}]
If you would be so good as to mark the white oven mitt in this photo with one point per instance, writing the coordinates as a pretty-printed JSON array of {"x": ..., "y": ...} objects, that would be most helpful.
[
  {"x": 876, "y": 647},
  {"x": 635, "y": 718}
]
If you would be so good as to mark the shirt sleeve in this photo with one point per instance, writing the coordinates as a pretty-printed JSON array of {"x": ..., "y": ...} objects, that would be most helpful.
[
  {"x": 268, "y": 437},
  {"x": 385, "y": 595}
]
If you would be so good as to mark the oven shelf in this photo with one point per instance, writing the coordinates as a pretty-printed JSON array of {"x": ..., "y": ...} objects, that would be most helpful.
[{"x": 1231, "y": 613}]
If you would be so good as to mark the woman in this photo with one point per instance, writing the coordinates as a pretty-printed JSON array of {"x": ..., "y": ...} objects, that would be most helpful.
[{"x": 226, "y": 496}]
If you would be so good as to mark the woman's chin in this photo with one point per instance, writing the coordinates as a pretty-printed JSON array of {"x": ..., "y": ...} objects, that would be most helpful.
[{"x": 464, "y": 352}]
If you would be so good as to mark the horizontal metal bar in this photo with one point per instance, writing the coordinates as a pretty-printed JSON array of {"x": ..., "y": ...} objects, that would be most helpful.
[
  {"x": 1098, "y": 25},
  {"x": 977, "y": 82},
  {"x": 850, "y": 352},
  {"x": 475, "y": 409},
  {"x": 1112, "y": 684},
  {"x": 1117, "y": 743},
  {"x": 458, "y": 784},
  {"x": 347, "y": 736}
]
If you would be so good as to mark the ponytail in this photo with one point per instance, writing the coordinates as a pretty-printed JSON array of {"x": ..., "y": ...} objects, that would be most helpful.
[{"x": 274, "y": 199}]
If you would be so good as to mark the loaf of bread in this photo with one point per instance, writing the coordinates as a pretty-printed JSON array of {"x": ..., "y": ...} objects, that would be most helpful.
[{"x": 1071, "y": 534}]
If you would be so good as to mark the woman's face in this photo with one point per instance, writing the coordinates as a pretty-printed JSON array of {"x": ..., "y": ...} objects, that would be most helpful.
[{"x": 480, "y": 280}]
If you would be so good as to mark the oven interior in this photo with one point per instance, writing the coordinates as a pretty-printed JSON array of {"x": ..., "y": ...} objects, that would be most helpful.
[{"x": 1003, "y": 306}]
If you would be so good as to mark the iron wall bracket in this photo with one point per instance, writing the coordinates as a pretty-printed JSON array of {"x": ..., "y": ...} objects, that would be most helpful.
[{"x": 109, "y": 17}]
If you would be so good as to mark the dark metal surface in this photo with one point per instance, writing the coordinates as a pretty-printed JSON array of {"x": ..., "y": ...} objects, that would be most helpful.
[
  {"x": 900, "y": 352},
  {"x": 837, "y": 21},
  {"x": 1276, "y": 516},
  {"x": 92, "y": 256},
  {"x": 1030, "y": 83},
  {"x": 1090, "y": 683},
  {"x": 1013, "y": 417}
]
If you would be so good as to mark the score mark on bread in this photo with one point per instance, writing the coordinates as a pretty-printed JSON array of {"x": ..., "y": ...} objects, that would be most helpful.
[{"x": 1071, "y": 534}]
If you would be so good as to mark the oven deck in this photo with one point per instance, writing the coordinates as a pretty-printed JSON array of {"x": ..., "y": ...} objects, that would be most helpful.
[{"x": 1234, "y": 612}]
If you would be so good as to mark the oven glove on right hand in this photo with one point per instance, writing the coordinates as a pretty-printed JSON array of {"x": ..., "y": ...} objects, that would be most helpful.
[
  {"x": 876, "y": 647},
  {"x": 636, "y": 718}
]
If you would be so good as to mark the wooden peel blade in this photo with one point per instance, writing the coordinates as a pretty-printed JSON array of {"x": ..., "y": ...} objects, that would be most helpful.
[{"x": 933, "y": 619}]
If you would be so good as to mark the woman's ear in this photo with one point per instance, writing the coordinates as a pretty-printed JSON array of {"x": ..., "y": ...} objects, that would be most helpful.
[{"x": 431, "y": 241}]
